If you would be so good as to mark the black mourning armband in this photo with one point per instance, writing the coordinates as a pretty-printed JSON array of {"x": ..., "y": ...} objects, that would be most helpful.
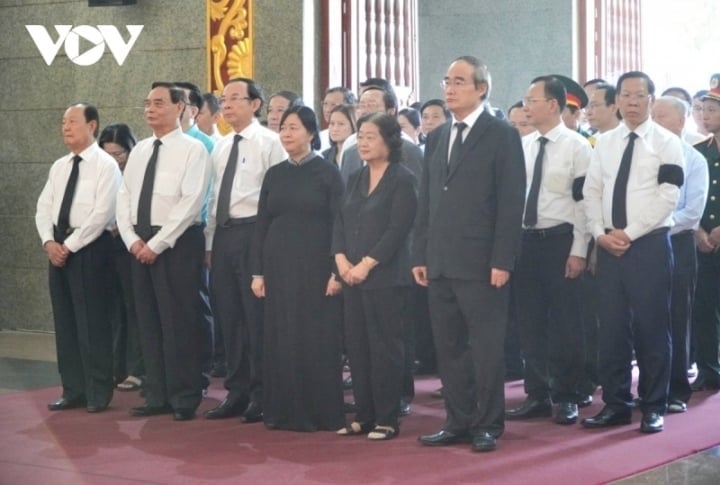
[
  {"x": 671, "y": 174},
  {"x": 577, "y": 188}
]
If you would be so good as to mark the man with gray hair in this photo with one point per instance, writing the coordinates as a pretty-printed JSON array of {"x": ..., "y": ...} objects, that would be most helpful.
[{"x": 670, "y": 113}]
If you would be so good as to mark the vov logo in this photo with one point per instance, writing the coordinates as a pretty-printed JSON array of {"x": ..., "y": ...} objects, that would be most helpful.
[{"x": 96, "y": 37}]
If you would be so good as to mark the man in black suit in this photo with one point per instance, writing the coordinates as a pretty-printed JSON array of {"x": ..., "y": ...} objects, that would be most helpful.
[{"x": 467, "y": 236}]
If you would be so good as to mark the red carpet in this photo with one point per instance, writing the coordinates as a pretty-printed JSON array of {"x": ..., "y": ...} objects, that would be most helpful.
[{"x": 74, "y": 447}]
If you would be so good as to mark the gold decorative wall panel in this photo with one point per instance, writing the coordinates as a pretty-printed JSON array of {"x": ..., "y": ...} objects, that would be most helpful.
[{"x": 229, "y": 41}]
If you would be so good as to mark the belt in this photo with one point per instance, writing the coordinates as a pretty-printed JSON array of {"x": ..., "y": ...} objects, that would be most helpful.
[
  {"x": 240, "y": 221},
  {"x": 654, "y": 232},
  {"x": 565, "y": 228}
]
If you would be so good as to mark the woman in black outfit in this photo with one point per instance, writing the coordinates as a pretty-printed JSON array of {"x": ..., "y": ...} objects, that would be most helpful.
[
  {"x": 370, "y": 244},
  {"x": 293, "y": 271}
]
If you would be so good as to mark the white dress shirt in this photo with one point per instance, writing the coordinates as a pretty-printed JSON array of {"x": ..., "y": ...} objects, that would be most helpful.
[
  {"x": 693, "y": 193},
  {"x": 469, "y": 120},
  {"x": 93, "y": 206},
  {"x": 259, "y": 149},
  {"x": 567, "y": 156},
  {"x": 181, "y": 179},
  {"x": 649, "y": 204}
]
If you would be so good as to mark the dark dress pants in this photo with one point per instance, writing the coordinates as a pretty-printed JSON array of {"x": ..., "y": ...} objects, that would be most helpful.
[
  {"x": 681, "y": 303},
  {"x": 374, "y": 341},
  {"x": 469, "y": 319},
  {"x": 166, "y": 300},
  {"x": 79, "y": 292},
  {"x": 706, "y": 317},
  {"x": 635, "y": 311},
  {"x": 548, "y": 315},
  {"x": 238, "y": 311}
]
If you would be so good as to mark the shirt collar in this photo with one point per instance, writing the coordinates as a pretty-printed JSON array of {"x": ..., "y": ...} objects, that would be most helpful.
[
  {"x": 642, "y": 130},
  {"x": 304, "y": 160},
  {"x": 176, "y": 132},
  {"x": 472, "y": 117},
  {"x": 86, "y": 154},
  {"x": 553, "y": 134}
]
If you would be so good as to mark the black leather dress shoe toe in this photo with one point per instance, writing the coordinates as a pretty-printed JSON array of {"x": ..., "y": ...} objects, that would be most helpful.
[
  {"x": 253, "y": 413},
  {"x": 144, "y": 411},
  {"x": 405, "y": 408},
  {"x": 585, "y": 401},
  {"x": 608, "y": 417},
  {"x": 484, "y": 442},
  {"x": 182, "y": 414},
  {"x": 62, "y": 404},
  {"x": 96, "y": 408},
  {"x": 652, "y": 423},
  {"x": 347, "y": 383},
  {"x": 444, "y": 438},
  {"x": 226, "y": 409},
  {"x": 530, "y": 408},
  {"x": 567, "y": 413}
]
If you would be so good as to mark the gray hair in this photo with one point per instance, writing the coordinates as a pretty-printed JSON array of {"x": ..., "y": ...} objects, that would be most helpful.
[
  {"x": 481, "y": 74},
  {"x": 679, "y": 105}
]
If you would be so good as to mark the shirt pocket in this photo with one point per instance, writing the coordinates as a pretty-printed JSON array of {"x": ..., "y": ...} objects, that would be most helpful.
[
  {"x": 167, "y": 183},
  {"x": 84, "y": 193},
  {"x": 559, "y": 178}
]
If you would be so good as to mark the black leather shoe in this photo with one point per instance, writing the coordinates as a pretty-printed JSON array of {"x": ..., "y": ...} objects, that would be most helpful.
[
  {"x": 444, "y": 438},
  {"x": 62, "y": 404},
  {"x": 253, "y": 413},
  {"x": 404, "y": 408},
  {"x": 96, "y": 408},
  {"x": 530, "y": 408},
  {"x": 144, "y": 411},
  {"x": 652, "y": 423},
  {"x": 183, "y": 414},
  {"x": 347, "y": 383},
  {"x": 226, "y": 409},
  {"x": 585, "y": 401},
  {"x": 484, "y": 442},
  {"x": 567, "y": 413},
  {"x": 677, "y": 406},
  {"x": 608, "y": 417}
]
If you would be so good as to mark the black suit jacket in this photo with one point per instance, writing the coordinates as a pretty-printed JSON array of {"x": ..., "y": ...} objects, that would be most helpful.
[
  {"x": 470, "y": 215},
  {"x": 378, "y": 225},
  {"x": 411, "y": 158}
]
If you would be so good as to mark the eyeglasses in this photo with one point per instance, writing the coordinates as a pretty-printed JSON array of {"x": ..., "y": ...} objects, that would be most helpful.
[
  {"x": 456, "y": 83},
  {"x": 368, "y": 106},
  {"x": 633, "y": 96},
  {"x": 527, "y": 101},
  {"x": 234, "y": 98}
]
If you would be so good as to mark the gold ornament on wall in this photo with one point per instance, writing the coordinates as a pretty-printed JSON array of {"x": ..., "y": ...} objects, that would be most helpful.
[{"x": 230, "y": 44}]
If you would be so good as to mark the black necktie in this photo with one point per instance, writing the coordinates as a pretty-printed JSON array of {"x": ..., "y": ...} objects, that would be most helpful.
[
  {"x": 64, "y": 215},
  {"x": 619, "y": 204},
  {"x": 144, "y": 228},
  {"x": 532, "y": 201},
  {"x": 223, "y": 204},
  {"x": 457, "y": 144}
]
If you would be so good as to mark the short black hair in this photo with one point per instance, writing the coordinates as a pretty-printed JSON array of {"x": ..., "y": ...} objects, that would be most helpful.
[
  {"x": 293, "y": 98},
  {"x": 120, "y": 134},
  {"x": 195, "y": 97},
  {"x": 177, "y": 95},
  {"x": 636, "y": 75},
  {"x": 308, "y": 119},
  {"x": 436, "y": 102},
  {"x": 377, "y": 82},
  {"x": 212, "y": 102},
  {"x": 700, "y": 94},
  {"x": 609, "y": 96},
  {"x": 412, "y": 115},
  {"x": 254, "y": 91},
  {"x": 389, "y": 99},
  {"x": 390, "y": 131},
  {"x": 597, "y": 80},
  {"x": 517, "y": 105},
  {"x": 554, "y": 88}
]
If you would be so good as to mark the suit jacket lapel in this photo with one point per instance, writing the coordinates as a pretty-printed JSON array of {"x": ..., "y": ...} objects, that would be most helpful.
[{"x": 472, "y": 138}]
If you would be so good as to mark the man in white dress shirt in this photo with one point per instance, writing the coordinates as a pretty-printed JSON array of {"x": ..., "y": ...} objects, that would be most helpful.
[
  {"x": 631, "y": 190},
  {"x": 552, "y": 259},
  {"x": 158, "y": 216},
  {"x": 239, "y": 161},
  {"x": 74, "y": 212}
]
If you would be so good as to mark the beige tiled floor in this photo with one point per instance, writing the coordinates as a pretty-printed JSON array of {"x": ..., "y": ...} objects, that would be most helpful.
[{"x": 38, "y": 349}]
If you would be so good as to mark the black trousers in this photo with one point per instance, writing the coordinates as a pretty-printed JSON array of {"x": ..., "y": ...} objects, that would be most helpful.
[
  {"x": 409, "y": 313},
  {"x": 238, "y": 311},
  {"x": 79, "y": 293},
  {"x": 706, "y": 318},
  {"x": 469, "y": 319},
  {"x": 127, "y": 354},
  {"x": 635, "y": 311},
  {"x": 548, "y": 314},
  {"x": 424, "y": 346},
  {"x": 681, "y": 303},
  {"x": 166, "y": 300},
  {"x": 375, "y": 346}
]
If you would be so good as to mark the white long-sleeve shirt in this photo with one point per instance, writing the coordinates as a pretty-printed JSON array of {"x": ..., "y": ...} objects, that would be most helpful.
[{"x": 93, "y": 206}]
